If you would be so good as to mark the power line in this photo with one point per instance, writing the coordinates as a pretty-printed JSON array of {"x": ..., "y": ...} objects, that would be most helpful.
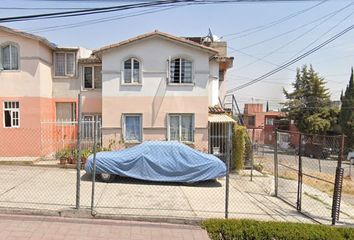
[
  {"x": 271, "y": 24},
  {"x": 75, "y": 13},
  {"x": 83, "y": 12},
  {"x": 42, "y": 8},
  {"x": 101, "y": 20},
  {"x": 289, "y": 63},
  {"x": 259, "y": 59},
  {"x": 323, "y": 34},
  {"x": 327, "y": 17}
]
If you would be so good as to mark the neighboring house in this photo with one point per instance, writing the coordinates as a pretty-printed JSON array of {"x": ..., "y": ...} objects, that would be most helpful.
[
  {"x": 261, "y": 124},
  {"x": 152, "y": 87}
]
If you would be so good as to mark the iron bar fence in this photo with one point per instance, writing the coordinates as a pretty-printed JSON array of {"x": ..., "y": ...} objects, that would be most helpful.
[{"x": 309, "y": 175}]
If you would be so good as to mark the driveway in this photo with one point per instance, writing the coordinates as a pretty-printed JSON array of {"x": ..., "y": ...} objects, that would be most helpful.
[{"x": 54, "y": 189}]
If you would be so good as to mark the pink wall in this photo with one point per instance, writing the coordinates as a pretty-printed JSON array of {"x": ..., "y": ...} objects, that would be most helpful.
[
  {"x": 114, "y": 135},
  {"x": 25, "y": 140},
  {"x": 154, "y": 109}
]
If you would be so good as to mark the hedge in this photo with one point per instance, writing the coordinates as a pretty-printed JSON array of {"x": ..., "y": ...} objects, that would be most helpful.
[
  {"x": 257, "y": 230},
  {"x": 239, "y": 147}
]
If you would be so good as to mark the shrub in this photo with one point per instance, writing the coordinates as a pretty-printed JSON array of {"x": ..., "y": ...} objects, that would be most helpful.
[
  {"x": 238, "y": 147},
  {"x": 255, "y": 230}
]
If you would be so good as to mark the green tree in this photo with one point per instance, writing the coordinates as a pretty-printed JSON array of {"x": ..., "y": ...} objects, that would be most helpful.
[
  {"x": 309, "y": 104},
  {"x": 346, "y": 115}
]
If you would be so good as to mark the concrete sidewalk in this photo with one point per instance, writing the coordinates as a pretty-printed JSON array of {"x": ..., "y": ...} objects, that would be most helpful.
[{"x": 57, "y": 228}]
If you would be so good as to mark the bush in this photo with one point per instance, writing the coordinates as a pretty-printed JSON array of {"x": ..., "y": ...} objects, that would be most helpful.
[
  {"x": 256, "y": 230},
  {"x": 238, "y": 147}
]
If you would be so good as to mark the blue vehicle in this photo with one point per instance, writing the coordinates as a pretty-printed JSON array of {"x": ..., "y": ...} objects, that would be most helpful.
[{"x": 162, "y": 161}]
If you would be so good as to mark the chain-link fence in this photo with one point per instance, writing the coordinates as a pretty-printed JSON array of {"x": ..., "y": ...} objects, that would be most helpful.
[
  {"x": 43, "y": 169},
  {"x": 38, "y": 166},
  {"x": 310, "y": 174}
]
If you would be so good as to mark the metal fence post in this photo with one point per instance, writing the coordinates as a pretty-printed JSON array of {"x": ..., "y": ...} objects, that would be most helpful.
[
  {"x": 228, "y": 156},
  {"x": 299, "y": 178},
  {"x": 338, "y": 184},
  {"x": 78, "y": 162},
  {"x": 276, "y": 164},
  {"x": 95, "y": 128}
]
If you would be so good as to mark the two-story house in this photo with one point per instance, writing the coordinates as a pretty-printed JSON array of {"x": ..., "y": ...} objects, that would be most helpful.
[{"x": 151, "y": 87}]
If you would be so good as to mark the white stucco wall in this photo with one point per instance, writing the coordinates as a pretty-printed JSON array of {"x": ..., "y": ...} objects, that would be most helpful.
[
  {"x": 153, "y": 54},
  {"x": 214, "y": 84},
  {"x": 34, "y": 66}
]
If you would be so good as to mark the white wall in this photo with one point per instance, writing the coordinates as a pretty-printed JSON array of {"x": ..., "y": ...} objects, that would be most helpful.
[
  {"x": 153, "y": 54},
  {"x": 214, "y": 83}
]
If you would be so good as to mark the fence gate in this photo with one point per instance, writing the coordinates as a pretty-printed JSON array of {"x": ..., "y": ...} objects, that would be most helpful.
[{"x": 309, "y": 176}]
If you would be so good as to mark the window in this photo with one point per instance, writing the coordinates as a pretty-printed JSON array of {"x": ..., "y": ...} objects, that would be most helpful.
[
  {"x": 131, "y": 71},
  {"x": 221, "y": 75},
  {"x": 269, "y": 121},
  {"x": 181, "y": 127},
  {"x": 11, "y": 114},
  {"x": 65, "y": 112},
  {"x": 88, "y": 126},
  {"x": 92, "y": 77},
  {"x": 64, "y": 64},
  {"x": 251, "y": 120},
  {"x": 132, "y": 128},
  {"x": 9, "y": 57},
  {"x": 181, "y": 71}
]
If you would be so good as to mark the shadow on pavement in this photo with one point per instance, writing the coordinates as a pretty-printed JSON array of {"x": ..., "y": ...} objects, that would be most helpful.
[{"x": 127, "y": 180}]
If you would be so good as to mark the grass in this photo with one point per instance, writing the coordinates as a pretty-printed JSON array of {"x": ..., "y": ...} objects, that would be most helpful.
[
  {"x": 348, "y": 184},
  {"x": 315, "y": 197}
]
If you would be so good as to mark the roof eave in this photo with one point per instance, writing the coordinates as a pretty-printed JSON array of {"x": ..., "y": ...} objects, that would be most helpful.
[
  {"x": 31, "y": 36},
  {"x": 212, "y": 51}
]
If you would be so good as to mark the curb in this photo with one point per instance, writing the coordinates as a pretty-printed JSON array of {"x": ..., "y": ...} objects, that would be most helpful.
[{"x": 85, "y": 213}]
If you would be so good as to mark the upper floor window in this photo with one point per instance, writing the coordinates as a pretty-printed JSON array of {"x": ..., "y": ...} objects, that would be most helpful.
[
  {"x": 92, "y": 77},
  {"x": 269, "y": 121},
  {"x": 251, "y": 121},
  {"x": 11, "y": 114},
  {"x": 9, "y": 57},
  {"x": 181, "y": 71},
  {"x": 64, "y": 64},
  {"x": 132, "y": 71}
]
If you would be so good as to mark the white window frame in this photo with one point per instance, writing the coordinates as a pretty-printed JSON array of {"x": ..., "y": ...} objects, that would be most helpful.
[
  {"x": 124, "y": 115},
  {"x": 169, "y": 68},
  {"x": 73, "y": 114},
  {"x": 12, "y": 110},
  {"x": 93, "y": 77},
  {"x": 180, "y": 126},
  {"x": 65, "y": 65},
  {"x": 132, "y": 71},
  {"x": 94, "y": 117},
  {"x": 11, "y": 45}
]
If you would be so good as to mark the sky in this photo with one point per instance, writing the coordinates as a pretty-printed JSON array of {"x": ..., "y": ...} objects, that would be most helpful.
[{"x": 257, "y": 44}]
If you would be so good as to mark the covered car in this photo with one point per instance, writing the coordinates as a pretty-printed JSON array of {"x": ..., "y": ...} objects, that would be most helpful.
[{"x": 168, "y": 161}]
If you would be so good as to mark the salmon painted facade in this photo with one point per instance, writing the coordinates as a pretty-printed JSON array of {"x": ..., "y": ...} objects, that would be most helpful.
[{"x": 152, "y": 87}]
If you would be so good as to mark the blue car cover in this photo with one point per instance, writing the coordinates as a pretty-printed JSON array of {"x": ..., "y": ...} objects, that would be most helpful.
[{"x": 168, "y": 161}]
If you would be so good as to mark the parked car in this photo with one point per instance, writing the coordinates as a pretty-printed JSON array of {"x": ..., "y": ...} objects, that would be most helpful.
[
  {"x": 157, "y": 161},
  {"x": 316, "y": 150},
  {"x": 350, "y": 157}
]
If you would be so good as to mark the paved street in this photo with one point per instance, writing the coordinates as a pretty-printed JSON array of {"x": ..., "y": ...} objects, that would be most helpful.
[
  {"x": 54, "y": 228},
  {"x": 53, "y": 189}
]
